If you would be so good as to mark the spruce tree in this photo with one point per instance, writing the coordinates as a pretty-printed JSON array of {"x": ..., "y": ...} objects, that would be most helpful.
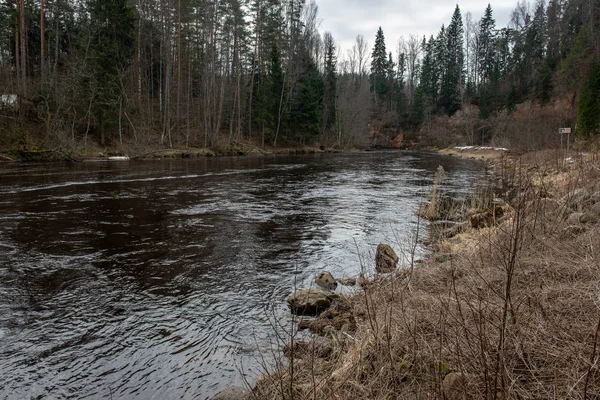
[
  {"x": 589, "y": 104},
  {"x": 428, "y": 84},
  {"x": 453, "y": 77},
  {"x": 485, "y": 46},
  {"x": 379, "y": 66},
  {"x": 113, "y": 24},
  {"x": 330, "y": 82}
]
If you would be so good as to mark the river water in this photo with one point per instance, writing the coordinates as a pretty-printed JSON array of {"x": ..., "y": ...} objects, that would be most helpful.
[{"x": 163, "y": 279}]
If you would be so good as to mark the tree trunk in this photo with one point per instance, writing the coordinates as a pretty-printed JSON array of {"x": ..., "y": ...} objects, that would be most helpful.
[
  {"x": 23, "y": 43},
  {"x": 42, "y": 41}
]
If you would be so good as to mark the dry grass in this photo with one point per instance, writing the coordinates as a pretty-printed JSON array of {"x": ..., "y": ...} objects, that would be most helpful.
[{"x": 515, "y": 309}]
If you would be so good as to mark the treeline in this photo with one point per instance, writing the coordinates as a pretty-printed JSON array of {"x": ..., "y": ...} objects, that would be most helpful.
[
  {"x": 549, "y": 49},
  {"x": 214, "y": 72}
]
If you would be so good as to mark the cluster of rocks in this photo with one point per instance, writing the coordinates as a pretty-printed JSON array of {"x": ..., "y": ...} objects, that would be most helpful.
[
  {"x": 316, "y": 300},
  {"x": 333, "y": 315},
  {"x": 580, "y": 207}
]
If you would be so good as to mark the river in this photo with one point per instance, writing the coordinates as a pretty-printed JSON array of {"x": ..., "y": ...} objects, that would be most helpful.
[{"x": 163, "y": 279}]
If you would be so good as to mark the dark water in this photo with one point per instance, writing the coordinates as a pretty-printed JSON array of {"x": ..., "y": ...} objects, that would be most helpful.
[{"x": 161, "y": 280}]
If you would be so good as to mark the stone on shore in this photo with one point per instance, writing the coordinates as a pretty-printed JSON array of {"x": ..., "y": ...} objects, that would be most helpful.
[
  {"x": 233, "y": 393},
  {"x": 347, "y": 281},
  {"x": 311, "y": 301},
  {"x": 456, "y": 386},
  {"x": 386, "y": 259},
  {"x": 326, "y": 280},
  {"x": 575, "y": 218},
  {"x": 318, "y": 347}
]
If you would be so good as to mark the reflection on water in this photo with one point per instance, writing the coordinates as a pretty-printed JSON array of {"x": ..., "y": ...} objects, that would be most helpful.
[{"x": 144, "y": 280}]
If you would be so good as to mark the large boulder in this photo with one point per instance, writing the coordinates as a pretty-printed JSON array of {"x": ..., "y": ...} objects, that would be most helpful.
[
  {"x": 386, "y": 259},
  {"x": 326, "y": 280},
  {"x": 311, "y": 301},
  {"x": 233, "y": 393}
]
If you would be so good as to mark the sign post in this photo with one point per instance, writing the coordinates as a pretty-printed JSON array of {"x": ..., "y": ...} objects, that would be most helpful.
[{"x": 563, "y": 131}]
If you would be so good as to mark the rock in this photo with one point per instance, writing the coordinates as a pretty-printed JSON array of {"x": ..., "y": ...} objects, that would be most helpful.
[
  {"x": 386, "y": 259},
  {"x": 326, "y": 280},
  {"x": 347, "y": 281},
  {"x": 486, "y": 218},
  {"x": 590, "y": 218},
  {"x": 456, "y": 386},
  {"x": 318, "y": 347},
  {"x": 311, "y": 301},
  {"x": 576, "y": 197},
  {"x": 442, "y": 257},
  {"x": 563, "y": 212},
  {"x": 575, "y": 218},
  {"x": 333, "y": 319},
  {"x": 233, "y": 393},
  {"x": 595, "y": 209},
  {"x": 542, "y": 206},
  {"x": 548, "y": 206},
  {"x": 572, "y": 231},
  {"x": 595, "y": 198},
  {"x": 446, "y": 229},
  {"x": 362, "y": 281}
]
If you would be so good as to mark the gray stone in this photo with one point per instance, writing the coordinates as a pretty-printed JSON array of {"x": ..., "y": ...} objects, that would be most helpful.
[
  {"x": 233, "y": 393},
  {"x": 595, "y": 198},
  {"x": 386, "y": 259},
  {"x": 548, "y": 206},
  {"x": 311, "y": 301},
  {"x": 442, "y": 257},
  {"x": 574, "y": 218},
  {"x": 563, "y": 212},
  {"x": 456, "y": 386},
  {"x": 326, "y": 280},
  {"x": 318, "y": 347},
  {"x": 347, "y": 281},
  {"x": 595, "y": 209},
  {"x": 576, "y": 197},
  {"x": 590, "y": 218}
]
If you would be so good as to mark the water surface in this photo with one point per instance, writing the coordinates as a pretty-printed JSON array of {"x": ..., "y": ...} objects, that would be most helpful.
[{"x": 161, "y": 279}]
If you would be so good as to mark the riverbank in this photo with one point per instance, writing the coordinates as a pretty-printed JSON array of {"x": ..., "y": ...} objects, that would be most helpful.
[
  {"x": 97, "y": 154},
  {"x": 505, "y": 306}
]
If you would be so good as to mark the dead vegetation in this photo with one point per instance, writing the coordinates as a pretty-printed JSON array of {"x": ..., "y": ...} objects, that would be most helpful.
[{"x": 511, "y": 312}]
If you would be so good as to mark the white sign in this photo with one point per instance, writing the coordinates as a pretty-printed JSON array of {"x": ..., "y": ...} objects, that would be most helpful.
[
  {"x": 564, "y": 130},
  {"x": 8, "y": 101}
]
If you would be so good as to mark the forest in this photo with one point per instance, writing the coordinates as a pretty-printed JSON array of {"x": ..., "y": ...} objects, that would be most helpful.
[{"x": 212, "y": 73}]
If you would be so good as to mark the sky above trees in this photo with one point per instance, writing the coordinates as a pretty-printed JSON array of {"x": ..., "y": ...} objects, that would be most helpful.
[{"x": 347, "y": 18}]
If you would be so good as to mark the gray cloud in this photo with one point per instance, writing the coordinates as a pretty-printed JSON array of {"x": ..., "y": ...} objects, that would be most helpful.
[{"x": 346, "y": 19}]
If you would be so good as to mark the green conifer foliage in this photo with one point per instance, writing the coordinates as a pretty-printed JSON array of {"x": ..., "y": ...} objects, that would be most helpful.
[{"x": 589, "y": 104}]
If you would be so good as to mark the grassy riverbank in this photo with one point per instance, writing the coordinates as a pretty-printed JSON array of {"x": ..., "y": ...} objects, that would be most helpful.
[
  {"x": 508, "y": 308},
  {"x": 150, "y": 153}
]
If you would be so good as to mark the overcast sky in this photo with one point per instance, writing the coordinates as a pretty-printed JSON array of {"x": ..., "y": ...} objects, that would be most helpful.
[{"x": 347, "y": 18}]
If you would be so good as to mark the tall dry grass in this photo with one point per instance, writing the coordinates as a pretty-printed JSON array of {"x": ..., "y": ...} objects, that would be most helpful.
[{"x": 513, "y": 313}]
